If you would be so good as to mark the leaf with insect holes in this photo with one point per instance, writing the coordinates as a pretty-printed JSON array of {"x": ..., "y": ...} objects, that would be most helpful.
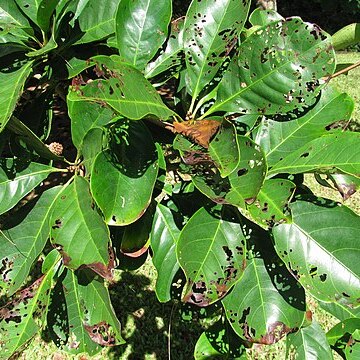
[
  {"x": 77, "y": 230},
  {"x": 211, "y": 30},
  {"x": 224, "y": 150},
  {"x": 23, "y": 317},
  {"x": 322, "y": 154},
  {"x": 20, "y": 245},
  {"x": 321, "y": 246},
  {"x": 277, "y": 70},
  {"x": 211, "y": 251},
  {"x": 267, "y": 302},
  {"x": 171, "y": 58},
  {"x": 280, "y": 138},
  {"x": 242, "y": 185},
  {"x": 122, "y": 88},
  {"x": 270, "y": 206},
  {"x": 80, "y": 316}
]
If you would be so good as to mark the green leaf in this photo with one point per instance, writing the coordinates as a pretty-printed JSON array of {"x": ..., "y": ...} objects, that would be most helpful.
[
  {"x": 261, "y": 17},
  {"x": 211, "y": 251},
  {"x": 322, "y": 154},
  {"x": 12, "y": 83},
  {"x": 210, "y": 31},
  {"x": 267, "y": 302},
  {"x": 321, "y": 247},
  {"x": 308, "y": 343},
  {"x": 224, "y": 150},
  {"x": 11, "y": 14},
  {"x": 46, "y": 48},
  {"x": 29, "y": 8},
  {"x": 20, "y": 245},
  {"x": 96, "y": 19},
  {"x": 340, "y": 311},
  {"x": 86, "y": 116},
  {"x": 243, "y": 184},
  {"x": 45, "y": 12},
  {"x": 77, "y": 229},
  {"x": 141, "y": 28},
  {"x": 131, "y": 168},
  {"x": 125, "y": 90},
  {"x": 219, "y": 342},
  {"x": 271, "y": 204},
  {"x": 346, "y": 36},
  {"x": 281, "y": 138},
  {"x": 18, "y": 178},
  {"x": 171, "y": 58},
  {"x": 343, "y": 327},
  {"x": 278, "y": 70},
  {"x": 91, "y": 146},
  {"x": 23, "y": 317},
  {"x": 81, "y": 317},
  {"x": 163, "y": 238}
]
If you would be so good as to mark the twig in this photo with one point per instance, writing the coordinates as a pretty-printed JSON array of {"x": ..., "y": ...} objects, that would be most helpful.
[{"x": 343, "y": 71}]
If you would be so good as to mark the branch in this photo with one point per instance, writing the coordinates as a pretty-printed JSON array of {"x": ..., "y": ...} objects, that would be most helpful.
[{"x": 343, "y": 71}]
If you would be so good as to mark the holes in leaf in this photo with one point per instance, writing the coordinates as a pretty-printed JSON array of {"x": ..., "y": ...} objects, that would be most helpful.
[
  {"x": 57, "y": 225},
  {"x": 242, "y": 172},
  {"x": 323, "y": 277},
  {"x": 304, "y": 155}
]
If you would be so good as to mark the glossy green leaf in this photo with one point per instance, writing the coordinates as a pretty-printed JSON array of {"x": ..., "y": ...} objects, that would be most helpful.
[
  {"x": 45, "y": 12},
  {"x": 322, "y": 247},
  {"x": 210, "y": 32},
  {"x": 308, "y": 343},
  {"x": 125, "y": 90},
  {"x": 20, "y": 245},
  {"x": 12, "y": 83},
  {"x": 224, "y": 150},
  {"x": 211, "y": 251},
  {"x": 86, "y": 116},
  {"x": 260, "y": 17},
  {"x": 81, "y": 317},
  {"x": 77, "y": 230},
  {"x": 163, "y": 238},
  {"x": 323, "y": 154},
  {"x": 131, "y": 168},
  {"x": 278, "y": 69},
  {"x": 18, "y": 178},
  {"x": 171, "y": 58},
  {"x": 270, "y": 206},
  {"x": 281, "y": 138},
  {"x": 346, "y": 36},
  {"x": 340, "y": 311},
  {"x": 29, "y": 8},
  {"x": 141, "y": 29},
  {"x": 96, "y": 19},
  {"x": 219, "y": 342},
  {"x": 11, "y": 14},
  {"x": 23, "y": 317},
  {"x": 243, "y": 184},
  {"x": 267, "y": 302}
]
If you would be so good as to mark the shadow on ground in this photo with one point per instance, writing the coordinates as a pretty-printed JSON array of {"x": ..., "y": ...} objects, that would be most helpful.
[{"x": 145, "y": 323}]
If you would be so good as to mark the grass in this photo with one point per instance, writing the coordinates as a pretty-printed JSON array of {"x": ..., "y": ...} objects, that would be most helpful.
[{"x": 145, "y": 322}]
